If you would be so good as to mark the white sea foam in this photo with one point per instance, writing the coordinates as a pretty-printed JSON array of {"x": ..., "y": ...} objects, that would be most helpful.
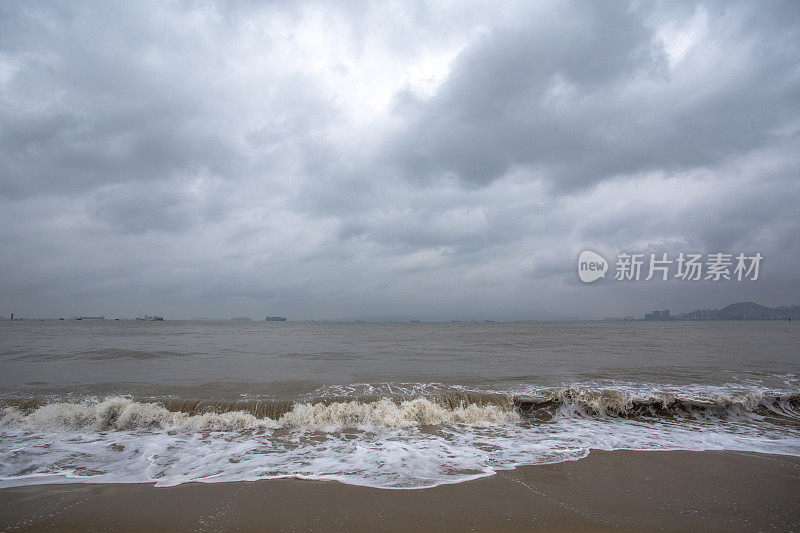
[{"x": 384, "y": 443}]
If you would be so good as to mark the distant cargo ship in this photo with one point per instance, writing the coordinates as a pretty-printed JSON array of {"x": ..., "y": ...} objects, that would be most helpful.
[
  {"x": 276, "y": 319},
  {"x": 150, "y": 317},
  {"x": 101, "y": 317}
]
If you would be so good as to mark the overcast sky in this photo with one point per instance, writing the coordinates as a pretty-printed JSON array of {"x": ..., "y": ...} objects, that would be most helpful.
[{"x": 443, "y": 160}]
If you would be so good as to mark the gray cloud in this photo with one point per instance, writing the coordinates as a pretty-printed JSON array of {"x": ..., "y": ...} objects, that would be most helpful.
[
  {"x": 327, "y": 161},
  {"x": 588, "y": 93}
]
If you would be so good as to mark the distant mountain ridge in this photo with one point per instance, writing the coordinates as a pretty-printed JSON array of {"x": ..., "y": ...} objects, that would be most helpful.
[{"x": 754, "y": 311}]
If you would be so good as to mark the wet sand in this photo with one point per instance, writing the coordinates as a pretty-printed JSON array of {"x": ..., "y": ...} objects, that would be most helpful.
[{"x": 620, "y": 490}]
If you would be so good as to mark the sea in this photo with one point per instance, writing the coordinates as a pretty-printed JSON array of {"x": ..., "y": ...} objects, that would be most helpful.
[{"x": 390, "y": 405}]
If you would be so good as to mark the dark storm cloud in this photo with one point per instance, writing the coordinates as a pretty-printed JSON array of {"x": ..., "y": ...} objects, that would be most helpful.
[
  {"x": 587, "y": 93},
  {"x": 329, "y": 161},
  {"x": 89, "y": 104}
]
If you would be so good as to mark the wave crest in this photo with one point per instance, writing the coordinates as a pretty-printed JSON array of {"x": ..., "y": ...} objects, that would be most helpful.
[
  {"x": 617, "y": 402},
  {"x": 449, "y": 408},
  {"x": 125, "y": 414}
]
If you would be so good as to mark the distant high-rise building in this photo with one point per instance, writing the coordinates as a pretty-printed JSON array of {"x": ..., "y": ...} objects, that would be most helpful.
[
  {"x": 665, "y": 314},
  {"x": 656, "y": 315},
  {"x": 704, "y": 314},
  {"x": 648, "y": 316}
]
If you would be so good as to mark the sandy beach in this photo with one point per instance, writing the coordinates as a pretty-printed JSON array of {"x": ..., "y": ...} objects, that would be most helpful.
[{"x": 621, "y": 490}]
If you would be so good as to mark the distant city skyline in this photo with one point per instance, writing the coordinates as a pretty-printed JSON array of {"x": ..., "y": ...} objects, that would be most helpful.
[{"x": 734, "y": 311}]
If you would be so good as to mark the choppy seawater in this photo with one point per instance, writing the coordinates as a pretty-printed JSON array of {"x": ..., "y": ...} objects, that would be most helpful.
[{"x": 397, "y": 405}]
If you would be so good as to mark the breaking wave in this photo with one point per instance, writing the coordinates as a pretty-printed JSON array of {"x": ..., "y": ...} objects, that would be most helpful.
[
  {"x": 411, "y": 437},
  {"x": 333, "y": 413},
  {"x": 125, "y": 414},
  {"x": 623, "y": 403}
]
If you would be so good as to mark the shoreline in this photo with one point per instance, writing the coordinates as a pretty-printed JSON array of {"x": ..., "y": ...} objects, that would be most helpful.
[{"x": 617, "y": 490}]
